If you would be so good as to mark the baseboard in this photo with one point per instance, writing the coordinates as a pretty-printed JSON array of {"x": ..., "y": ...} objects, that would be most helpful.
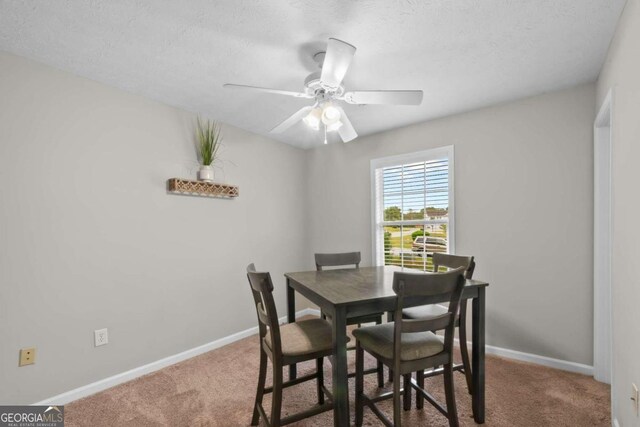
[
  {"x": 550, "y": 362},
  {"x": 563, "y": 365},
  {"x": 95, "y": 387}
]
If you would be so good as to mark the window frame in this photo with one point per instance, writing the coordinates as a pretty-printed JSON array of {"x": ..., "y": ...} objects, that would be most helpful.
[{"x": 377, "y": 208}]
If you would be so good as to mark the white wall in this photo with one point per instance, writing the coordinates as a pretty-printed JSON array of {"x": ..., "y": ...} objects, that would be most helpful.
[
  {"x": 622, "y": 73},
  {"x": 89, "y": 238},
  {"x": 524, "y": 203}
]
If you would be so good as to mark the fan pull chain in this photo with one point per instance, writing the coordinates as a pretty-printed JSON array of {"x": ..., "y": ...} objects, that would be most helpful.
[{"x": 325, "y": 134}]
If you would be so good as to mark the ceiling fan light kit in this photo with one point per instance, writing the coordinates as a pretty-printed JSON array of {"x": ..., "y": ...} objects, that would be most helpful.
[
  {"x": 314, "y": 118},
  {"x": 326, "y": 88},
  {"x": 334, "y": 126},
  {"x": 330, "y": 114}
]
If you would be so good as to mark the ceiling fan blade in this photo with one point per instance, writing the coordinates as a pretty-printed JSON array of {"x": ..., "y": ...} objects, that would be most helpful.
[
  {"x": 292, "y": 120},
  {"x": 268, "y": 90},
  {"x": 390, "y": 97},
  {"x": 336, "y": 63},
  {"x": 346, "y": 131}
]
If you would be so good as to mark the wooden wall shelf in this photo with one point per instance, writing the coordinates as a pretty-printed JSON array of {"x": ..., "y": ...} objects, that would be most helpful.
[{"x": 187, "y": 187}]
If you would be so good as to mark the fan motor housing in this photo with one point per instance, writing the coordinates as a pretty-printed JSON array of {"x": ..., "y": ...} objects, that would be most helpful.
[{"x": 312, "y": 86}]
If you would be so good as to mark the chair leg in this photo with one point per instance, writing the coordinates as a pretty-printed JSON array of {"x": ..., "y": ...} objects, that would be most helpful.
[
  {"x": 276, "y": 397},
  {"x": 390, "y": 318},
  {"x": 260, "y": 391},
  {"x": 320, "y": 379},
  {"x": 406, "y": 398},
  {"x": 397, "y": 411},
  {"x": 380, "y": 364},
  {"x": 452, "y": 413},
  {"x": 464, "y": 351},
  {"x": 359, "y": 384},
  {"x": 419, "y": 396}
]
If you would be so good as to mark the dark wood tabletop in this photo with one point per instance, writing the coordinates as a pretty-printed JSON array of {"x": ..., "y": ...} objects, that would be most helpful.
[
  {"x": 346, "y": 293},
  {"x": 365, "y": 284}
]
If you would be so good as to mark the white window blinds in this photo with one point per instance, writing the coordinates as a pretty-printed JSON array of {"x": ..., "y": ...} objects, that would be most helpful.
[{"x": 413, "y": 208}]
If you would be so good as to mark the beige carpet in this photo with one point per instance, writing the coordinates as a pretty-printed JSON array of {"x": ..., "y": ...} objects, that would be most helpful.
[{"x": 218, "y": 388}]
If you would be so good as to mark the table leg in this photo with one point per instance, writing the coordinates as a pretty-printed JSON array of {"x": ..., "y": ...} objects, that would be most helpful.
[
  {"x": 477, "y": 351},
  {"x": 291, "y": 317},
  {"x": 339, "y": 371}
]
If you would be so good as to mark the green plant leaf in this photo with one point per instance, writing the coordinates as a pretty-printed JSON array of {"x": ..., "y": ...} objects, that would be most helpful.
[{"x": 209, "y": 141}]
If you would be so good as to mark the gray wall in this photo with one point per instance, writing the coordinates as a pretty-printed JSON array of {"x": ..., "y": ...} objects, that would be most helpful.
[
  {"x": 622, "y": 73},
  {"x": 89, "y": 238},
  {"x": 524, "y": 202}
]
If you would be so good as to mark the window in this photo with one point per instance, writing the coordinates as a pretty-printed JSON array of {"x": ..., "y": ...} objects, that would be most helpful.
[{"x": 412, "y": 208}]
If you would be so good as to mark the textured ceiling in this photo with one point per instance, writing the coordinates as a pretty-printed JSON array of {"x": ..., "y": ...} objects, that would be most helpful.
[{"x": 463, "y": 54}]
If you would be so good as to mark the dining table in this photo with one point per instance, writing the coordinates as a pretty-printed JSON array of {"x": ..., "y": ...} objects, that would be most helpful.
[{"x": 345, "y": 293}]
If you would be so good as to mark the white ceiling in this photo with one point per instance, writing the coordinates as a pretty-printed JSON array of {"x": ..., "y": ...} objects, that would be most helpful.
[{"x": 463, "y": 54}]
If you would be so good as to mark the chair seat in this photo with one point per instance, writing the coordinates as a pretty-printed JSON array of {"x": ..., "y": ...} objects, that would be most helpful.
[
  {"x": 304, "y": 337},
  {"x": 379, "y": 339},
  {"x": 369, "y": 318},
  {"x": 424, "y": 312}
]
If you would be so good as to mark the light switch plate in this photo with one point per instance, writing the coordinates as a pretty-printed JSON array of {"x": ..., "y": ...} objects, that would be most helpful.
[
  {"x": 101, "y": 337},
  {"x": 27, "y": 356}
]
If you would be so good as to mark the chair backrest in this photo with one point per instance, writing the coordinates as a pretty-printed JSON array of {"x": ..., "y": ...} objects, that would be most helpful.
[
  {"x": 447, "y": 285},
  {"x": 262, "y": 291},
  {"x": 335, "y": 260},
  {"x": 454, "y": 261}
]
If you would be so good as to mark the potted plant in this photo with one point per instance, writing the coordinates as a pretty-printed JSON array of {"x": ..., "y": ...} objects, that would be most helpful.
[{"x": 209, "y": 140}]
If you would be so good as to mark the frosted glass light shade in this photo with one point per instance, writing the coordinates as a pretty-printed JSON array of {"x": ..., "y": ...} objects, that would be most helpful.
[
  {"x": 330, "y": 115},
  {"x": 334, "y": 126},
  {"x": 313, "y": 119}
]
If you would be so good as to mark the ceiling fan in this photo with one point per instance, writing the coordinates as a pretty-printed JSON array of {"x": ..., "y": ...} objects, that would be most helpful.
[{"x": 325, "y": 86}]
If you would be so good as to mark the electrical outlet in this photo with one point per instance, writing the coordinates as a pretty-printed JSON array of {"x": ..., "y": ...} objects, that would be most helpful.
[
  {"x": 27, "y": 356},
  {"x": 101, "y": 337},
  {"x": 635, "y": 397}
]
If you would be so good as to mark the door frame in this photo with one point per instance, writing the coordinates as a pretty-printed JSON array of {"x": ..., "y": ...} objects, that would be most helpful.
[{"x": 602, "y": 239}]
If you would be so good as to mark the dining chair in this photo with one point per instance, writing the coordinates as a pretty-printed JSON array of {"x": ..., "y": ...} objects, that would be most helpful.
[
  {"x": 433, "y": 310},
  {"x": 285, "y": 345},
  {"x": 351, "y": 259},
  {"x": 410, "y": 345}
]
